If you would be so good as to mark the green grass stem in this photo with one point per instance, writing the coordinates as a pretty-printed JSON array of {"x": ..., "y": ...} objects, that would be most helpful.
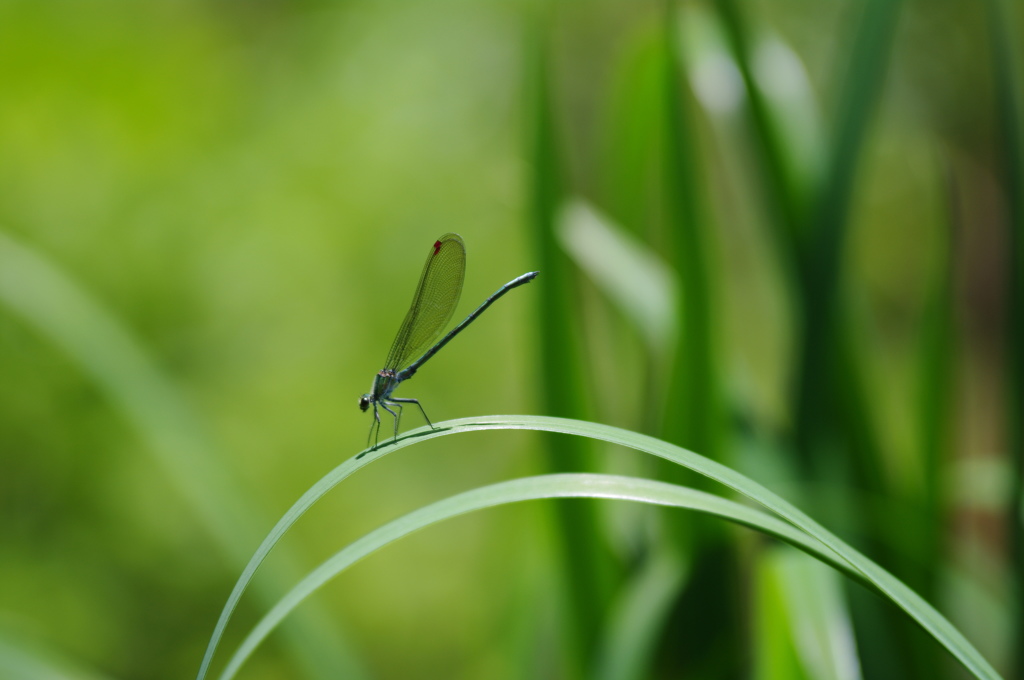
[
  {"x": 778, "y": 177},
  {"x": 694, "y": 408},
  {"x": 860, "y": 87},
  {"x": 586, "y": 574}
]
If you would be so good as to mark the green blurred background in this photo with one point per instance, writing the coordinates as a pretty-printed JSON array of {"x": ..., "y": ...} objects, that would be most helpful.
[{"x": 212, "y": 217}]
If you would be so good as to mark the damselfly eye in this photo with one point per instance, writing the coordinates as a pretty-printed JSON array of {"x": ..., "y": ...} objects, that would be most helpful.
[{"x": 364, "y": 403}]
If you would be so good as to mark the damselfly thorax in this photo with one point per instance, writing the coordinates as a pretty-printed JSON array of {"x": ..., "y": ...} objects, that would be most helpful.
[{"x": 384, "y": 383}]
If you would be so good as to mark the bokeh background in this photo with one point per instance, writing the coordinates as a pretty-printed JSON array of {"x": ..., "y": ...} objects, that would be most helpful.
[{"x": 783, "y": 233}]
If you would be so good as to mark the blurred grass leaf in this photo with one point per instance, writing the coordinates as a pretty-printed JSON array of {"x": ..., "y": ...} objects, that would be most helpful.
[
  {"x": 1006, "y": 56},
  {"x": 26, "y": 660},
  {"x": 625, "y": 269},
  {"x": 637, "y": 620},
  {"x": 64, "y": 313},
  {"x": 562, "y": 383},
  {"x": 695, "y": 400},
  {"x": 821, "y": 624},
  {"x": 860, "y": 86}
]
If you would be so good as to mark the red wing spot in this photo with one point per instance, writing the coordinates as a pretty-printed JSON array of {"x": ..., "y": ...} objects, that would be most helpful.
[{"x": 437, "y": 247}]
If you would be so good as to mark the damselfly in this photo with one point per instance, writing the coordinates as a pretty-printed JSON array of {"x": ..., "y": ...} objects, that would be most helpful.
[{"x": 432, "y": 307}]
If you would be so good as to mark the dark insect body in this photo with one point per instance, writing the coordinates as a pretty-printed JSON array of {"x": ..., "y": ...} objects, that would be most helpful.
[{"x": 433, "y": 304}]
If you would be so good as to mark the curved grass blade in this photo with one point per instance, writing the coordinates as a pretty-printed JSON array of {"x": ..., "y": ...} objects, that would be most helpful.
[
  {"x": 571, "y": 485},
  {"x": 922, "y": 612}
]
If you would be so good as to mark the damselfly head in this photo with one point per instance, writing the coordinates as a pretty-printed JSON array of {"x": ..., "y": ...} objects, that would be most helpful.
[{"x": 364, "y": 402}]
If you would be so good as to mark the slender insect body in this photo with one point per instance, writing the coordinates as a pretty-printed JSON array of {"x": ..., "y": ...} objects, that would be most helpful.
[{"x": 432, "y": 306}]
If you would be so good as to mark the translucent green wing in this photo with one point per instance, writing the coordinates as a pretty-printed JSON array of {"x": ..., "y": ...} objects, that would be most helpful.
[{"x": 434, "y": 302}]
